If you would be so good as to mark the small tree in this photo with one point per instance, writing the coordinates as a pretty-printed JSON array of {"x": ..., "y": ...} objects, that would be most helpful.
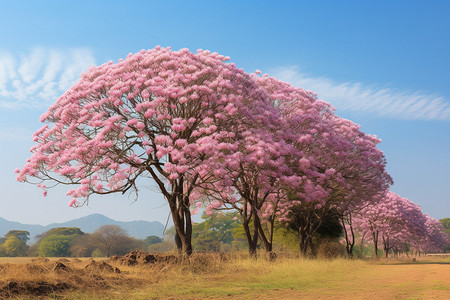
[
  {"x": 114, "y": 240},
  {"x": 167, "y": 245},
  {"x": 152, "y": 239},
  {"x": 15, "y": 243},
  {"x": 13, "y": 247},
  {"x": 82, "y": 246},
  {"x": 57, "y": 241},
  {"x": 55, "y": 246},
  {"x": 446, "y": 224},
  {"x": 22, "y": 235},
  {"x": 215, "y": 233}
]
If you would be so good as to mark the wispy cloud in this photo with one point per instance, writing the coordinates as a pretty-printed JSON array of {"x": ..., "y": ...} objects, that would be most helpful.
[
  {"x": 358, "y": 97},
  {"x": 16, "y": 134},
  {"x": 36, "y": 79}
]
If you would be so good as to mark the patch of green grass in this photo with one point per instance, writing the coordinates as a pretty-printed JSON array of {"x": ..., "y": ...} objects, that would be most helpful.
[{"x": 440, "y": 286}]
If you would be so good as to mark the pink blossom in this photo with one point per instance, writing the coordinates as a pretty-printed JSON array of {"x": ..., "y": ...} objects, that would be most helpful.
[
  {"x": 216, "y": 204},
  {"x": 173, "y": 176}
]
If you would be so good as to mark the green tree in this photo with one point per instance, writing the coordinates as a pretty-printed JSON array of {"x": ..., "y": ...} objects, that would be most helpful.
[
  {"x": 152, "y": 239},
  {"x": 22, "y": 235},
  {"x": 57, "y": 241},
  {"x": 167, "y": 245},
  {"x": 15, "y": 243},
  {"x": 239, "y": 237},
  {"x": 284, "y": 238},
  {"x": 55, "y": 245},
  {"x": 61, "y": 231},
  {"x": 215, "y": 233},
  {"x": 446, "y": 223},
  {"x": 14, "y": 247},
  {"x": 98, "y": 253}
]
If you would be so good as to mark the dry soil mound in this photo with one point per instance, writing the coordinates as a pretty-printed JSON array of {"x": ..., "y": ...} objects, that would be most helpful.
[{"x": 143, "y": 258}]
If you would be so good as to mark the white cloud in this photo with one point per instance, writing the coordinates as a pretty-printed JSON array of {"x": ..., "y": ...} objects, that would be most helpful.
[
  {"x": 31, "y": 64},
  {"x": 8, "y": 134},
  {"x": 36, "y": 79},
  {"x": 357, "y": 97},
  {"x": 7, "y": 69}
]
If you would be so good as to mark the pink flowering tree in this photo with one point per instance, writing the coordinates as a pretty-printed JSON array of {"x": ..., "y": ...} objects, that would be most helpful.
[
  {"x": 406, "y": 226},
  {"x": 269, "y": 164},
  {"x": 245, "y": 176},
  {"x": 357, "y": 171},
  {"x": 333, "y": 166},
  {"x": 373, "y": 219},
  {"x": 158, "y": 114},
  {"x": 436, "y": 238},
  {"x": 362, "y": 177},
  {"x": 304, "y": 179},
  {"x": 395, "y": 221}
]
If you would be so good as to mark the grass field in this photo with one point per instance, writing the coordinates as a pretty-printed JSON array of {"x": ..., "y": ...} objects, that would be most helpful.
[{"x": 213, "y": 277}]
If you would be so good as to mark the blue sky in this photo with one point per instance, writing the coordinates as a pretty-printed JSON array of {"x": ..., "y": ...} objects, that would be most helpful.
[{"x": 382, "y": 64}]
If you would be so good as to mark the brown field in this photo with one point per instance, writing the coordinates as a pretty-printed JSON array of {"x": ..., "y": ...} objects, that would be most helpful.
[{"x": 217, "y": 276}]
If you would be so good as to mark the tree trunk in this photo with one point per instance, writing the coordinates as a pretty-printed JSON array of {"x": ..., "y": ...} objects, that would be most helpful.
[
  {"x": 375, "y": 243},
  {"x": 188, "y": 226},
  {"x": 251, "y": 240},
  {"x": 305, "y": 232},
  {"x": 350, "y": 249},
  {"x": 178, "y": 242},
  {"x": 265, "y": 241},
  {"x": 349, "y": 244},
  {"x": 181, "y": 216},
  {"x": 386, "y": 247},
  {"x": 178, "y": 200},
  {"x": 252, "y": 237},
  {"x": 311, "y": 245},
  {"x": 303, "y": 242},
  {"x": 183, "y": 237}
]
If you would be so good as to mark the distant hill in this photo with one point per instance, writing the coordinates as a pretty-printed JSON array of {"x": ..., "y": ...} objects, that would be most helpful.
[
  {"x": 6, "y": 226},
  {"x": 88, "y": 224}
]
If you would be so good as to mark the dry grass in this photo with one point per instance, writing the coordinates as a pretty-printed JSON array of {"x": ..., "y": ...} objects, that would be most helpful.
[{"x": 230, "y": 277}]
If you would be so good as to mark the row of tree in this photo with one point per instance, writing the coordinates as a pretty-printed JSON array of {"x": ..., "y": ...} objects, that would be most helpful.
[
  {"x": 418, "y": 233},
  {"x": 71, "y": 241},
  {"x": 211, "y": 136},
  {"x": 398, "y": 224},
  {"x": 218, "y": 232}
]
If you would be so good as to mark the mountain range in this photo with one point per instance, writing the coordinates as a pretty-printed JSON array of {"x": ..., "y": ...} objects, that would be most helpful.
[{"x": 88, "y": 224}]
